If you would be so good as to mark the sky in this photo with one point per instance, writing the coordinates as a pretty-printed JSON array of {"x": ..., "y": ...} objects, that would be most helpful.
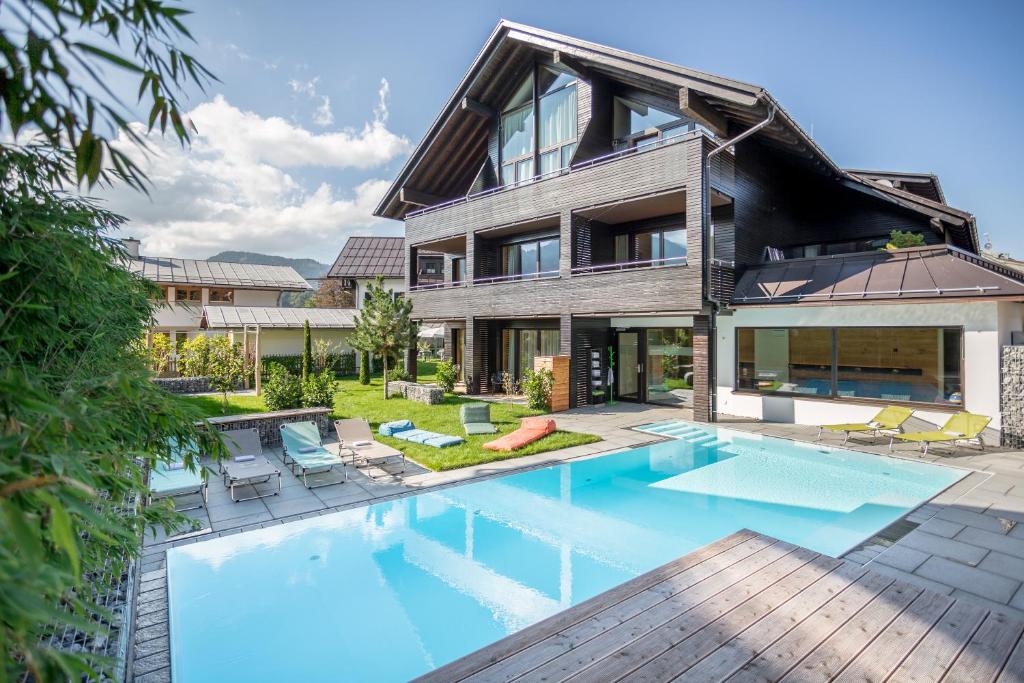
[{"x": 319, "y": 104}]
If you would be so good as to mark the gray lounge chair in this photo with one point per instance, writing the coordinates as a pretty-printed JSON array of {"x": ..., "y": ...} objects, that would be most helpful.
[
  {"x": 174, "y": 479},
  {"x": 305, "y": 450},
  {"x": 246, "y": 464},
  {"x": 356, "y": 436}
]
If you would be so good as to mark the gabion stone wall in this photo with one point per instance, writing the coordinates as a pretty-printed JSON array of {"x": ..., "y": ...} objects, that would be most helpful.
[
  {"x": 184, "y": 385},
  {"x": 269, "y": 424},
  {"x": 1011, "y": 402},
  {"x": 423, "y": 393}
]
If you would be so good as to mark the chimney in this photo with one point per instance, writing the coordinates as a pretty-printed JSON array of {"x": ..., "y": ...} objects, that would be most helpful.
[{"x": 132, "y": 245}]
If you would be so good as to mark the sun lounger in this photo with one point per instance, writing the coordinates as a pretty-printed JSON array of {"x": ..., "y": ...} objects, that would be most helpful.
[
  {"x": 305, "y": 450},
  {"x": 246, "y": 464},
  {"x": 964, "y": 427},
  {"x": 174, "y": 479},
  {"x": 531, "y": 429},
  {"x": 476, "y": 418},
  {"x": 356, "y": 436},
  {"x": 889, "y": 420},
  {"x": 406, "y": 431}
]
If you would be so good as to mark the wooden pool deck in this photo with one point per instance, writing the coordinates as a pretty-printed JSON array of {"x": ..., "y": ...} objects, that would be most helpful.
[{"x": 749, "y": 607}]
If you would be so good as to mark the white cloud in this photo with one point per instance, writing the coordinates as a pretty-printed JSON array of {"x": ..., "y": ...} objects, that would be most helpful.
[
  {"x": 323, "y": 116},
  {"x": 307, "y": 88},
  {"x": 235, "y": 187},
  {"x": 380, "y": 112}
]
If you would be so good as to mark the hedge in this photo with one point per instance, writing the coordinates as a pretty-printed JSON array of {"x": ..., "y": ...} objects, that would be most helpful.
[{"x": 343, "y": 364}]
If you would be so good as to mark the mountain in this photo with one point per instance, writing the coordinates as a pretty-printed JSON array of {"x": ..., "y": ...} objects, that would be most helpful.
[{"x": 306, "y": 267}]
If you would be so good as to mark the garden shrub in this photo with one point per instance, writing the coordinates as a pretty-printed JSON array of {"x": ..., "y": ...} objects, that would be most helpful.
[
  {"x": 318, "y": 390},
  {"x": 282, "y": 390},
  {"x": 194, "y": 357},
  {"x": 342, "y": 364},
  {"x": 447, "y": 372},
  {"x": 398, "y": 374},
  {"x": 364, "y": 367},
  {"x": 900, "y": 239},
  {"x": 159, "y": 353},
  {"x": 536, "y": 385}
]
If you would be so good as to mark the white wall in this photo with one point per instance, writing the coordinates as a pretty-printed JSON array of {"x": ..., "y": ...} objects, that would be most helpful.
[
  {"x": 986, "y": 326},
  {"x": 177, "y": 317},
  {"x": 394, "y": 283},
  {"x": 256, "y": 297},
  {"x": 288, "y": 342}
]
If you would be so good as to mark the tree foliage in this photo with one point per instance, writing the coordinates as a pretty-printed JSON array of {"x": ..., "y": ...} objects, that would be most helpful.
[
  {"x": 194, "y": 358},
  {"x": 364, "y": 367},
  {"x": 902, "y": 239},
  {"x": 80, "y": 420},
  {"x": 332, "y": 294},
  {"x": 447, "y": 374},
  {"x": 226, "y": 366},
  {"x": 384, "y": 325},
  {"x": 159, "y": 353},
  {"x": 307, "y": 351},
  {"x": 54, "y": 78},
  {"x": 281, "y": 389}
]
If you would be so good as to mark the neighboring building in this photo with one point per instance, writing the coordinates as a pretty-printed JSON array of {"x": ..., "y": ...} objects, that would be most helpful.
[
  {"x": 587, "y": 199},
  {"x": 363, "y": 259},
  {"x": 279, "y": 331},
  {"x": 190, "y": 285}
]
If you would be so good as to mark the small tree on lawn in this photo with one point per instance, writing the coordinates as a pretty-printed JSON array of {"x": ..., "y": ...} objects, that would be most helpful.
[
  {"x": 364, "y": 367},
  {"x": 307, "y": 351},
  {"x": 226, "y": 368},
  {"x": 384, "y": 325}
]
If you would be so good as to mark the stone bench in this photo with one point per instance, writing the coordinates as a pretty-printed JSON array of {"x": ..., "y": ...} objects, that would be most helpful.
[
  {"x": 269, "y": 424},
  {"x": 422, "y": 393}
]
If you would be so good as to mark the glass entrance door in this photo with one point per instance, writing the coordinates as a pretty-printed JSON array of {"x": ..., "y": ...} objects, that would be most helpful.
[{"x": 627, "y": 367}]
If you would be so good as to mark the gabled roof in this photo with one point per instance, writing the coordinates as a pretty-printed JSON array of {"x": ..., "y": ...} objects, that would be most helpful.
[
  {"x": 177, "y": 271},
  {"x": 453, "y": 150},
  {"x": 935, "y": 272},
  {"x": 370, "y": 257},
  {"x": 232, "y": 317},
  {"x": 922, "y": 184}
]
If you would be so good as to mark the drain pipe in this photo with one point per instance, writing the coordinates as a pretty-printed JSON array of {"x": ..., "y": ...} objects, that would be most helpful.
[{"x": 708, "y": 242}]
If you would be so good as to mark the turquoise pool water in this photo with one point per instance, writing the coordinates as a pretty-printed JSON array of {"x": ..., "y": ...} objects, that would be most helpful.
[{"x": 390, "y": 591}]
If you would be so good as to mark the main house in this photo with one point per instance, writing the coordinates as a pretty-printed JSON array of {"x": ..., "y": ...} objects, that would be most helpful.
[{"x": 686, "y": 242}]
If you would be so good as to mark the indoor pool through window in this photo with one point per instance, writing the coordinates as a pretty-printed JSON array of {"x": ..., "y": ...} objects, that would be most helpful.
[{"x": 392, "y": 590}]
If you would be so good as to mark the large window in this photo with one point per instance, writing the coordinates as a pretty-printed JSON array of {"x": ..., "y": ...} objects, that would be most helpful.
[
  {"x": 533, "y": 258},
  {"x": 657, "y": 247},
  {"x": 521, "y": 346},
  {"x": 913, "y": 364},
  {"x": 636, "y": 124},
  {"x": 670, "y": 365},
  {"x": 549, "y": 140}
]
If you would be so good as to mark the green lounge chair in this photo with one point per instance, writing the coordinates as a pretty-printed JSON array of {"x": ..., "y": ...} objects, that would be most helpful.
[
  {"x": 476, "y": 418},
  {"x": 304, "y": 448},
  {"x": 964, "y": 427},
  {"x": 889, "y": 420},
  {"x": 173, "y": 479}
]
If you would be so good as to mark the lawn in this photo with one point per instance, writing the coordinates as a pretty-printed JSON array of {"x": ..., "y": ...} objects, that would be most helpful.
[{"x": 367, "y": 401}]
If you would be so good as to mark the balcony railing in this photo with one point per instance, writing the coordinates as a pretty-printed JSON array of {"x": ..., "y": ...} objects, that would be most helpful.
[
  {"x": 544, "y": 275},
  {"x": 630, "y": 265},
  {"x": 589, "y": 163},
  {"x": 438, "y": 285}
]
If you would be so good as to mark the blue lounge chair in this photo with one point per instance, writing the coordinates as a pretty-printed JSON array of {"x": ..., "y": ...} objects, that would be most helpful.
[
  {"x": 173, "y": 479},
  {"x": 305, "y": 450}
]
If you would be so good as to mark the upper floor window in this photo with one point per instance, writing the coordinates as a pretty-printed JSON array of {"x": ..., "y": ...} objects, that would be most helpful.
[
  {"x": 832, "y": 248},
  {"x": 549, "y": 140},
  {"x": 657, "y": 247},
  {"x": 222, "y": 296},
  {"x": 637, "y": 124},
  {"x": 531, "y": 258},
  {"x": 188, "y": 293}
]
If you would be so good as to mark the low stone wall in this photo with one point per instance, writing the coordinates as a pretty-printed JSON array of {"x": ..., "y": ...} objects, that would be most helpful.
[
  {"x": 1011, "y": 397},
  {"x": 423, "y": 393},
  {"x": 184, "y": 385},
  {"x": 269, "y": 424}
]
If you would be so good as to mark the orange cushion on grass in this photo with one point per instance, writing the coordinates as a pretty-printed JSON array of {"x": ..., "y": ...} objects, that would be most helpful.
[{"x": 531, "y": 429}]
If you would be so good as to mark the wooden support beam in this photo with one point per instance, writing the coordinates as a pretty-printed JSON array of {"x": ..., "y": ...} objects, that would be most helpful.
[
  {"x": 571, "y": 64},
  {"x": 417, "y": 198},
  {"x": 478, "y": 108},
  {"x": 698, "y": 109}
]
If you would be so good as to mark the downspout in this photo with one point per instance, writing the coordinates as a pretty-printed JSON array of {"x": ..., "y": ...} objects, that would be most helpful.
[{"x": 708, "y": 243}]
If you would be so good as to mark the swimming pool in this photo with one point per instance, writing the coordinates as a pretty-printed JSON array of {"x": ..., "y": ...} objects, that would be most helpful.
[{"x": 390, "y": 591}]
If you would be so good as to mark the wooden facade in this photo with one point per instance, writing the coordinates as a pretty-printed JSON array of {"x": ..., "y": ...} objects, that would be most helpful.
[{"x": 776, "y": 189}]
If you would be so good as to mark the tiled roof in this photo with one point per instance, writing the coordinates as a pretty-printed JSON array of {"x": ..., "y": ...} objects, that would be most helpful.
[
  {"x": 370, "y": 257},
  {"x": 178, "y": 271},
  {"x": 938, "y": 272},
  {"x": 231, "y": 317}
]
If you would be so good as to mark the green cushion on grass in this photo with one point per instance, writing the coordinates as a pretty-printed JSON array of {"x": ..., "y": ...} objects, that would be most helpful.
[{"x": 480, "y": 428}]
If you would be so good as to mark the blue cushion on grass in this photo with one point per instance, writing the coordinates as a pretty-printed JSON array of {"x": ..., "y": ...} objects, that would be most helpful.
[
  {"x": 443, "y": 440},
  {"x": 395, "y": 426}
]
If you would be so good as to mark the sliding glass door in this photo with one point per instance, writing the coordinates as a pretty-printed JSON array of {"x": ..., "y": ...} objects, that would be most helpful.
[
  {"x": 627, "y": 366},
  {"x": 669, "y": 366}
]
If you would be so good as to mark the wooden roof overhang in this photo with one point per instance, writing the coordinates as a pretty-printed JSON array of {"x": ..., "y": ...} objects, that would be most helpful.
[{"x": 452, "y": 153}]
